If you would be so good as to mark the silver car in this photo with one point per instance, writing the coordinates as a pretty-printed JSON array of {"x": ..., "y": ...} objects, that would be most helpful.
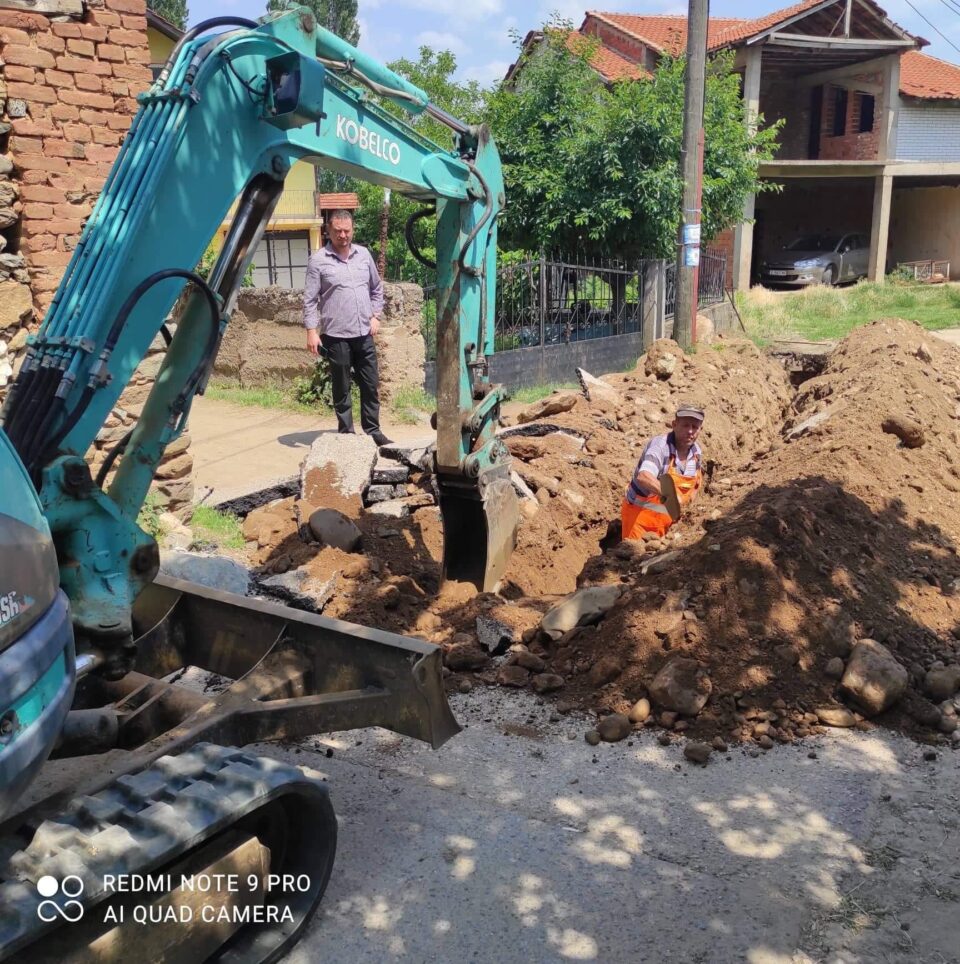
[{"x": 826, "y": 259}]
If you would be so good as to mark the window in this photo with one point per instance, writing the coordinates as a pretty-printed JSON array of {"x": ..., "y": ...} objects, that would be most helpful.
[
  {"x": 866, "y": 112},
  {"x": 839, "y": 111},
  {"x": 281, "y": 259}
]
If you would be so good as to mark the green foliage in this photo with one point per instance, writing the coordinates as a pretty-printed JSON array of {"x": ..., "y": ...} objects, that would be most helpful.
[
  {"x": 596, "y": 169},
  {"x": 220, "y": 528},
  {"x": 338, "y": 16},
  {"x": 819, "y": 312},
  {"x": 410, "y": 402},
  {"x": 149, "y": 516},
  {"x": 533, "y": 393},
  {"x": 318, "y": 388},
  {"x": 175, "y": 11}
]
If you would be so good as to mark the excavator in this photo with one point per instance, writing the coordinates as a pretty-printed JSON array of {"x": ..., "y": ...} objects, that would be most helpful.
[{"x": 174, "y": 841}]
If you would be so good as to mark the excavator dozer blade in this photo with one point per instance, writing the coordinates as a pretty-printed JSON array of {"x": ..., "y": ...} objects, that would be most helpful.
[{"x": 479, "y": 532}]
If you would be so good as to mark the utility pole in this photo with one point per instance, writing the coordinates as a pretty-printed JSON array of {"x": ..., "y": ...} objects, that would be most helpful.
[
  {"x": 384, "y": 233},
  {"x": 691, "y": 164}
]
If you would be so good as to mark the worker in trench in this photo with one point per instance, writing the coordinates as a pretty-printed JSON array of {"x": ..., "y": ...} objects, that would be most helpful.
[{"x": 668, "y": 477}]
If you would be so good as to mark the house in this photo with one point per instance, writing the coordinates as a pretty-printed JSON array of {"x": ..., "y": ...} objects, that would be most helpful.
[
  {"x": 870, "y": 141},
  {"x": 294, "y": 231}
]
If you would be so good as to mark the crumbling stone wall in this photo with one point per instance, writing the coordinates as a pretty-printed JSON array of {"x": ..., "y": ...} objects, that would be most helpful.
[
  {"x": 68, "y": 84},
  {"x": 265, "y": 341}
]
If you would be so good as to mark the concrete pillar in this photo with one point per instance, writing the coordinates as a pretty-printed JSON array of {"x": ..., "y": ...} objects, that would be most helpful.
[
  {"x": 880, "y": 230},
  {"x": 889, "y": 109},
  {"x": 743, "y": 236}
]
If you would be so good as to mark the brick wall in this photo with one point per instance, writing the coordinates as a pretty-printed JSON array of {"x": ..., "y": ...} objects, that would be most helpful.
[
  {"x": 68, "y": 86},
  {"x": 633, "y": 50},
  {"x": 852, "y": 145}
]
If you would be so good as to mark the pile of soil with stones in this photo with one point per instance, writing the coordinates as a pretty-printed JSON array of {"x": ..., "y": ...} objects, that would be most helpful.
[{"x": 831, "y": 514}]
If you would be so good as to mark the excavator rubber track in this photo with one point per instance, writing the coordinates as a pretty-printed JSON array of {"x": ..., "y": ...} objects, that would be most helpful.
[{"x": 149, "y": 820}]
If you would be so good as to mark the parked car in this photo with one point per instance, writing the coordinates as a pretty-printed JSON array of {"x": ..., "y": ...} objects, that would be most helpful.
[{"x": 812, "y": 259}]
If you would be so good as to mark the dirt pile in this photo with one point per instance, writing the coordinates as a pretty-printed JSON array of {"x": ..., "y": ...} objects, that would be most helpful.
[{"x": 831, "y": 514}]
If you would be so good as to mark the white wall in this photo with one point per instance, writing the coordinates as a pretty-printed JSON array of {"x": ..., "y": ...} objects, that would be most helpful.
[
  {"x": 925, "y": 224},
  {"x": 928, "y": 132}
]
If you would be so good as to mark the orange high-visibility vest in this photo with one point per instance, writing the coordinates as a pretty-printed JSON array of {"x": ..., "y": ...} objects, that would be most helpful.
[{"x": 645, "y": 512}]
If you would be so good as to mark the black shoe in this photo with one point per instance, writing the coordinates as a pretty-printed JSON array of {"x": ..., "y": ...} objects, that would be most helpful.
[{"x": 380, "y": 439}]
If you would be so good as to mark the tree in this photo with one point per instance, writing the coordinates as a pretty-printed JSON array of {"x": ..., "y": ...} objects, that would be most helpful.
[
  {"x": 594, "y": 169},
  {"x": 338, "y": 16},
  {"x": 174, "y": 11}
]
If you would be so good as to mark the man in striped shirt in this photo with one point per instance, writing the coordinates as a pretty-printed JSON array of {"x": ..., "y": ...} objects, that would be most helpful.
[
  {"x": 668, "y": 476},
  {"x": 342, "y": 302}
]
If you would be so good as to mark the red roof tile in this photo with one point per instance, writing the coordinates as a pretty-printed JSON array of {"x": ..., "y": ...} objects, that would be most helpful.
[
  {"x": 348, "y": 200},
  {"x": 610, "y": 65},
  {"x": 667, "y": 33},
  {"x": 924, "y": 76}
]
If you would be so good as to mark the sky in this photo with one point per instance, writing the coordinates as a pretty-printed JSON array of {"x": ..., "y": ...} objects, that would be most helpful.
[{"x": 478, "y": 32}]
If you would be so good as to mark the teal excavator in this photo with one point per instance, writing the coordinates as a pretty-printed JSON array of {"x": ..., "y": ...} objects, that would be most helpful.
[{"x": 92, "y": 640}]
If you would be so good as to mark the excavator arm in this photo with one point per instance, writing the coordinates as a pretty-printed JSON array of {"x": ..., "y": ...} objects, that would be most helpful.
[{"x": 225, "y": 120}]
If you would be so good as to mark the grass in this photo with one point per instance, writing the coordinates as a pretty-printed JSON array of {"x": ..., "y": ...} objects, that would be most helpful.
[
  {"x": 279, "y": 397},
  {"x": 817, "y": 313},
  {"x": 212, "y": 525},
  {"x": 533, "y": 393},
  {"x": 409, "y": 402}
]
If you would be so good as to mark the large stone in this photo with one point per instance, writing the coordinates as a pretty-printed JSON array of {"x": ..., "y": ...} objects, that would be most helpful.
[
  {"x": 513, "y": 676},
  {"x": 336, "y": 470},
  {"x": 605, "y": 670},
  {"x": 206, "y": 569},
  {"x": 466, "y": 655},
  {"x": 302, "y": 590},
  {"x": 551, "y": 405},
  {"x": 547, "y": 683},
  {"x": 495, "y": 636},
  {"x": 682, "y": 686},
  {"x": 333, "y": 528},
  {"x": 662, "y": 359},
  {"x": 941, "y": 684},
  {"x": 614, "y": 728},
  {"x": 874, "y": 680},
  {"x": 835, "y": 716},
  {"x": 906, "y": 429},
  {"x": 16, "y": 304},
  {"x": 391, "y": 508},
  {"x": 581, "y": 608},
  {"x": 595, "y": 390},
  {"x": 415, "y": 455}
]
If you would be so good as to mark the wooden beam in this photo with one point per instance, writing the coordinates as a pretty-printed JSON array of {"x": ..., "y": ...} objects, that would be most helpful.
[
  {"x": 886, "y": 21},
  {"x": 836, "y": 43},
  {"x": 789, "y": 20},
  {"x": 839, "y": 73}
]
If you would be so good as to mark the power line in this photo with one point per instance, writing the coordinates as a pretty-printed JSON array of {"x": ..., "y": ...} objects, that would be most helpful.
[
  {"x": 932, "y": 25},
  {"x": 951, "y": 5}
]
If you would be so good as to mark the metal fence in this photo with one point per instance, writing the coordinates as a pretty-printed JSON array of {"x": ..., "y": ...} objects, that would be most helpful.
[{"x": 543, "y": 301}]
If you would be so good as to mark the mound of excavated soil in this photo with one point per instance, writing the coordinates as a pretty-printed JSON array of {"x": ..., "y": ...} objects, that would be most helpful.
[{"x": 831, "y": 514}]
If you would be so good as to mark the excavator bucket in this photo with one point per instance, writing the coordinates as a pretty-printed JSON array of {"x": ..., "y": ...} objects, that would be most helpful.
[{"x": 479, "y": 532}]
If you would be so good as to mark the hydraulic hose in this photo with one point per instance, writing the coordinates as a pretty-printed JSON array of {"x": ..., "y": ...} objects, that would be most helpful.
[
  {"x": 195, "y": 32},
  {"x": 412, "y": 241},
  {"x": 487, "y": 211}
]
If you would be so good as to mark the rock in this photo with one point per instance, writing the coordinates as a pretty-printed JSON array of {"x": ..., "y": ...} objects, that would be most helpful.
[
  {"x": 582, "y": 608},
  {"x": 639, "y": 711},
  {"x": 605, "y": 670},
  {"x": 522, "y": 489},
  {"x": 948, "y": 724},
  {"x": 529, "y": 661},
  {"x": 538, "y": 480},
  {"x": 808, "y": 424},
  {"x": 719, "y": 744},
  {"x": 207, "y": 569},
  {"x": 391, "y": 508},
  {"x": 16, "y": 304},
  {"x": 664, "y": 739},
  {"x": 336, "y": 470},
  {"x": 333, "y": 528},
  {"x": 388, "y": 472},
  {"x": 596, "y": 390},
  {"x": 592, "y": 737},
  {"x": 551, "y": 405},
  {"x": 465, "y": 686},
  {"x": 547, "y": 682},
  {"x": 706, "y": 330},
  {"x": 175, "y": 534},
  {"x": 18, "y": 340},
  {"x": 923, "y": 353},
  {"x": 300, "y": 589},
  {"x": 614, "y": 728},
  {"x": 465, "y": 655},
  {"x": 662, "y": 359},
  {"x": 682, "y": 686},
  {"x": 834, "y": 668},
  {"x": 513, "y": 676},
  {"x": 697, "y": 753},
  {"x": 415, "y": 455},
  {"x": 660, "y": 563},
  {"x": 494, "y": 636},
  {"x": 907, "y": 430},
  {"x": 874, "y": 679},
  {"x": 941, "y": 684},
  {"x": 383, "y": 493},
  {"x": 766, "y": 743},
  {"x": 835, "y": 716}
]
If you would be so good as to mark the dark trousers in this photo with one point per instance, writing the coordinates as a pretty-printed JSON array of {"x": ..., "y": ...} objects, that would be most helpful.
[{"x": 360, "y": 355}]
